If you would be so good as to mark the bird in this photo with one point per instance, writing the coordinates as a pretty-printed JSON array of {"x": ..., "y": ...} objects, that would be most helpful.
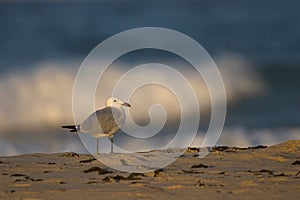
[{"x": 104, "y": 122}]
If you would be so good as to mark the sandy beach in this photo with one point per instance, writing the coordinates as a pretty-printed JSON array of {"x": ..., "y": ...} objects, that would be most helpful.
[{"x": 227, "y": 172}]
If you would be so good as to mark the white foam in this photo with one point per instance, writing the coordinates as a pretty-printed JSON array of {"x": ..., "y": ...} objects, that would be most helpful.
[{"x": 43, "y": 97}]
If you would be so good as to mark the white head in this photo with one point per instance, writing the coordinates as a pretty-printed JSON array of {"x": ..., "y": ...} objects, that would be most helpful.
[{"x": 115, "y": 102}]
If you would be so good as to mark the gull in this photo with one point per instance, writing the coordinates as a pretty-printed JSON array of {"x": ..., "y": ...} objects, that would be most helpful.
[{"x": 104, "y": 122}]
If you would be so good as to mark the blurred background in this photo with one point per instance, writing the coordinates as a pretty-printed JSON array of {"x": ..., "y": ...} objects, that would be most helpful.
[{"x": 255, "y": 43}]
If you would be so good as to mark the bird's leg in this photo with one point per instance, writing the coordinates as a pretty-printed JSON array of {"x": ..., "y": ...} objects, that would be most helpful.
[
  {"x": 97, "y": 147},
  {"x": 112, "y": 144}
]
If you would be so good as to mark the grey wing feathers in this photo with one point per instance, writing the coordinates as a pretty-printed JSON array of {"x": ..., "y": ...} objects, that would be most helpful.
[{"x": 103, "y": 121}]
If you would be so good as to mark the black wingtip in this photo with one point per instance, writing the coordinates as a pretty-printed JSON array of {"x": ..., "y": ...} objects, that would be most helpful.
[
  {"x": 69, "y": 126},
  {"x": 73, "y": 128}
]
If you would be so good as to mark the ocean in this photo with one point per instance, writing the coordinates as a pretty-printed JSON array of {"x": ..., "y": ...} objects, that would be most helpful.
[{"x": 255, "y": 44}]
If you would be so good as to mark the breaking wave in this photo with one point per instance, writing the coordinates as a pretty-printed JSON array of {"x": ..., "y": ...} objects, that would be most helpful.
[{"x": 42, "y": 97}]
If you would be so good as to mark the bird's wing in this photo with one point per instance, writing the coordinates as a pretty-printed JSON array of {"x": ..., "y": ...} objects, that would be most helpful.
[{"x": 104, "y": 121}]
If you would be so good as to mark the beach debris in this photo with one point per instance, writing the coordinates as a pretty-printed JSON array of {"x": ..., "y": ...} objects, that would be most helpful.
[
  {"x": 91, "y": 182},
  {"x": 157, "y": 172},
  {"x": 297, "y": 162},
  {"x": 192, "y": 172},
  {"x": 133, "y": 176},
  {"x": 17, "y": 175},
  {"x": 97, "y": 169},
  {"x": 270, "y": 172},
  {"x": 193, "y": 149},
  {"x": 234, "y": 149},
  {"x": 70, "y": 154},
  {"x": 209, "y": 184},
  {"x": 117, "y": 178},
  {"x": 26, "y": 177},
  {"x": 199, "y": 166},
  {"x": 88, "y": 160}
]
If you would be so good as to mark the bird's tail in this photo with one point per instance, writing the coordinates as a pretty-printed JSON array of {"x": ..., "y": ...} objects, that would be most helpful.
[{"x": 73, "y": 128}]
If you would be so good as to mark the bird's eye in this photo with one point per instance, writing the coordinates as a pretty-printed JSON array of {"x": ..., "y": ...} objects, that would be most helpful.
[{"x": 115, "y": 100}]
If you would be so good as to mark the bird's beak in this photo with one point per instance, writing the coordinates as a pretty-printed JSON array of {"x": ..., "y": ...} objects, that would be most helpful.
[{"x": 126, "y": 104}]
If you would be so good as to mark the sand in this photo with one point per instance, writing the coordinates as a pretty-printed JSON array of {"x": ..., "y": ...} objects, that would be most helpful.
[{"x": 225, "y": 173}]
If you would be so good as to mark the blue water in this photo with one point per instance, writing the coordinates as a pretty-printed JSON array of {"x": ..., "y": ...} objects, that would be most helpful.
[
  {"x": 262, "y": 31},
  {"x": 265, "y": 33}
]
